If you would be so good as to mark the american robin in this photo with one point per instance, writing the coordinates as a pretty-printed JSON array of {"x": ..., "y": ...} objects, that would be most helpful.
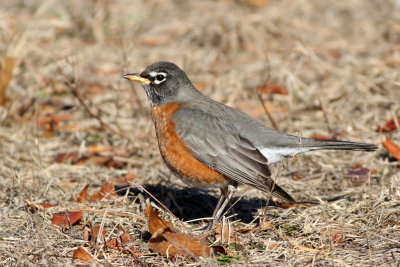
[{"x": 210, "y": 144}]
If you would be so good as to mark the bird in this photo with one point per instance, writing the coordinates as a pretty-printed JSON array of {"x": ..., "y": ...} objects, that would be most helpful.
[{"x": 208, "y": 144}]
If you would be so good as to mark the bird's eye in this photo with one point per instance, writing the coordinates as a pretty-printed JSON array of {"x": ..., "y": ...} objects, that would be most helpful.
[{"x": 160, "y": 77}]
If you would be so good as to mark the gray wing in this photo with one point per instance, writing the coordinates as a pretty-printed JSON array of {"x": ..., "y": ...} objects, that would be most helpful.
[{"x": 219, "y": 145}]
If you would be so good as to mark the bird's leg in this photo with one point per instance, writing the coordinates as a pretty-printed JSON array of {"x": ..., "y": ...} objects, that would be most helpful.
[{"x": 226, "y": 195}]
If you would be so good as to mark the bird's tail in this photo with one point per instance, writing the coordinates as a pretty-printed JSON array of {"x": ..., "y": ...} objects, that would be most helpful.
[{"x": 318, "y": 144}]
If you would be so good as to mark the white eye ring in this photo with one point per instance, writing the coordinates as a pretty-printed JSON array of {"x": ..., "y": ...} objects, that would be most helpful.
[{"x": 159, "y": 77}]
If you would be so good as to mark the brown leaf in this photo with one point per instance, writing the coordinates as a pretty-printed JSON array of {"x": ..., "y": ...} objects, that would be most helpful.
[
  {"x": 126, "y": 239},
  {"x": 95, "y": 237},
  {"x": 390, "y": 125},
  {"x": 392, "y": 148},
  {"x": 124, "y": 180},
  {"x": 272, "y": 88},
  {"x": 81, "y": 254},
  {"x": 170, "y": 242},
  {"x": 114, "y": 243},
  {"x": 107, "y": 191},
  {"x": 67, "y": 218},
  {"x": 83, "y": 195},
  {"x": 66, "y": 157},
  {"x": 154, "y": 222},
  {"x": 50, "y": 123},
  {"x": 72, "y": 157},
  {"x": 296, "y": 176}
]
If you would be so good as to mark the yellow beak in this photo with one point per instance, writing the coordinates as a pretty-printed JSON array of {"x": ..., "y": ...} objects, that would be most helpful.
[{"x": 136, "y": 78}]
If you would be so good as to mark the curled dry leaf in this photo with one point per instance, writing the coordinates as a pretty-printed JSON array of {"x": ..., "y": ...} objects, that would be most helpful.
[
  {"x": 95, "y": 158},
  {"x": 50, "y": 123},
  {"x": 106, "y": 191},
  {"x": 272, "y": 88},
  {"x": 390, "y": 125},
  {"x": 95, "y": 237},
  {"x": 83, "y": 196},
  {"x": 170, "y": 242},
  {"x": 67, "y": 218},
  {"x": 81, "y": 254},
  {"x": 124, "y": 180},
  {"x": 392, "y": 148}
]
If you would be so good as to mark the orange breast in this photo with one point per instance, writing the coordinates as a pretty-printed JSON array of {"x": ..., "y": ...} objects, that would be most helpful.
[{"x": 176, "y": 155}]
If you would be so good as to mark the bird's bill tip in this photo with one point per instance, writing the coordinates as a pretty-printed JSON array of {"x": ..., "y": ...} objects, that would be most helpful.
[{"x": 136, "y": 78}]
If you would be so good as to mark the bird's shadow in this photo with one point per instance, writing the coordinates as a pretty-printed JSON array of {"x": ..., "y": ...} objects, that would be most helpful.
[{"x": 192, "y": 203}]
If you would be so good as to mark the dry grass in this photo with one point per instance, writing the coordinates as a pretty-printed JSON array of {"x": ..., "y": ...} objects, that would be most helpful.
[{"x": 339, "y": 61}]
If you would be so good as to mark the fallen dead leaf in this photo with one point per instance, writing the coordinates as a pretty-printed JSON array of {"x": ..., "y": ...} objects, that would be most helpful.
[
  {"x": 154, "y": 222},
  {"x": 125, "y": 237},
  {"x": 95, "y": 237},
  {"x": 114, "y": 243},
  {"x": 392, "y": 148},
  {"x": 296, "y": 176},
  {"x": 272, "y": 88},
  {"x": 67, "y": 218},
  {"x": 124, "y": 180},
  {"x": 390, "y": 125},
  {"x": 81, "y": 254},
  {"x": 95, "y": 158},
  {"x": 170, "y": 242},
  {"x": 106, "y": 191},
  {"x": 66, "y": 157},
  {"x": 50, "y": 123},
  {"x": 83, "y": 195}
]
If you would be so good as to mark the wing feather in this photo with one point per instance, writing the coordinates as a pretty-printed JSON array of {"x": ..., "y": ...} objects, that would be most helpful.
[{"x": 220, "y": 146}]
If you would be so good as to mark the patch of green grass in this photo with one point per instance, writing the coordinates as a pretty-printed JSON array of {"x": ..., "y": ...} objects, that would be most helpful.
[
  {"x": 227, "y": 259},
  {"x": 94, "y": 137},
  {"x": 257, "y": 246},
  {"x": 292, "y": 230}
]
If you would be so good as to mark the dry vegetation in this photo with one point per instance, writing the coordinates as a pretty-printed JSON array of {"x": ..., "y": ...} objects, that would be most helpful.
[{"x": 69, "y": 120}]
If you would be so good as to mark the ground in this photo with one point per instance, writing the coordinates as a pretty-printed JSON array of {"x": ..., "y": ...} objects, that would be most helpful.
[{"x": 338, "y": 60}]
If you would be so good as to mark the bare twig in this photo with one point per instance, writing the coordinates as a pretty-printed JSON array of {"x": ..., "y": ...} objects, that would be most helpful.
[{"x": 274, "y": 124}]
